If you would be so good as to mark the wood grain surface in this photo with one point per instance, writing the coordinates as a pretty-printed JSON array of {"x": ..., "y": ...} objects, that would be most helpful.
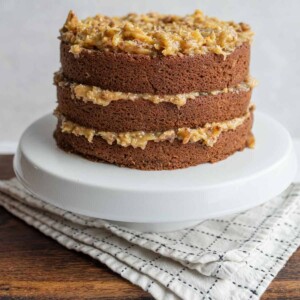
[{"x": 33, "y": 266}]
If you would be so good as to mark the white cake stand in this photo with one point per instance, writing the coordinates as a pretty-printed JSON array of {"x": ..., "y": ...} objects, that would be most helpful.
[{"x": 156, "y": 200}]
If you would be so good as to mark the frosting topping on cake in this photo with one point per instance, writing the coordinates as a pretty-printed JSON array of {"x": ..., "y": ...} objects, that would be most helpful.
[
  {"x": 153, "y": 34},
  {"x": 207, "y": 134}
]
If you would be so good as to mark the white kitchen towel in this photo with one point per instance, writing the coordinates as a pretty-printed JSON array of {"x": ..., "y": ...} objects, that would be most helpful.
[{"x": 234, "y": 257}]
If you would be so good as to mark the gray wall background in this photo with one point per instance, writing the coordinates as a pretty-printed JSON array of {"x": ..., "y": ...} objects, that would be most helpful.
[{"x": 29, "y": 52}]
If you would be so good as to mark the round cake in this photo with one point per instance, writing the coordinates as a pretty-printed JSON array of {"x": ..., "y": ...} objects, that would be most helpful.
[{"x": 152, "y": 91}]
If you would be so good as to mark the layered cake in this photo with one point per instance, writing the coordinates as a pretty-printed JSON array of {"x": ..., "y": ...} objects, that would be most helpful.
[{"x": 154, "y": 91}]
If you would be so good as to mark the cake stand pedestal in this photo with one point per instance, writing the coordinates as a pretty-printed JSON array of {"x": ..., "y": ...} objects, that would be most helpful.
[{"x": 156, "y": 200}]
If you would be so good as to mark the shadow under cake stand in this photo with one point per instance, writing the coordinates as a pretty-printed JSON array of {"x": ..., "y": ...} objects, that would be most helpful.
[{"x": 156, "y": 200}]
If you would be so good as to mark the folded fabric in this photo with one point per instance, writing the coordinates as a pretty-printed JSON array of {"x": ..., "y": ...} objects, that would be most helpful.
[{"x": 233, "y": 257}]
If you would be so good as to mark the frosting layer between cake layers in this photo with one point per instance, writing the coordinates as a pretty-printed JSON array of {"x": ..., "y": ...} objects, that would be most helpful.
[{"x": 208, "y": 134}]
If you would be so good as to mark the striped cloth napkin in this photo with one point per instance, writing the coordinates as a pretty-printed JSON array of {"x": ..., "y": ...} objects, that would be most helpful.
[{"x": 233, "y": 257}]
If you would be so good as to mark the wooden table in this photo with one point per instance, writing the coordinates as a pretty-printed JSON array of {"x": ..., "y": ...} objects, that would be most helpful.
[{"x": 33, "y": 266}]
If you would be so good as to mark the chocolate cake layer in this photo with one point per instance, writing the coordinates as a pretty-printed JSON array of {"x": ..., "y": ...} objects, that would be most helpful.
[
  {"x": 157, "y": 156},
  {"x": 127, "y": 115},
  {"x": 138, "y": 73}
]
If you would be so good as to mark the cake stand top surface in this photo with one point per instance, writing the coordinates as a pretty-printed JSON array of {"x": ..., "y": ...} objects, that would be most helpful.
[{"x": 243, "y": 180}]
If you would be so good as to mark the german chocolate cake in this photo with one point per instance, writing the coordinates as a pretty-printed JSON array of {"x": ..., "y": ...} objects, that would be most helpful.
[{"x": 154, "y": 91}]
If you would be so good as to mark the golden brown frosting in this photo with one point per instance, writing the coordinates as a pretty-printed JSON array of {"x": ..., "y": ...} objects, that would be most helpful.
[
  {"x": 153, "y": 34},
  {"x": 98, "y": 96},
  {"x": 208, "y": 134}
]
